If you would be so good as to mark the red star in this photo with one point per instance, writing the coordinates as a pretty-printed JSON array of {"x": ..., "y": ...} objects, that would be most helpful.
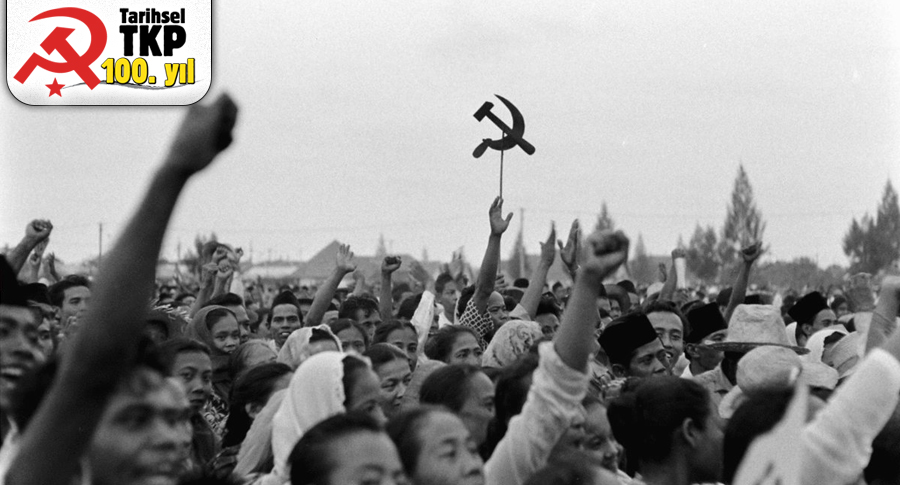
[{"x": 55, "y": 88}]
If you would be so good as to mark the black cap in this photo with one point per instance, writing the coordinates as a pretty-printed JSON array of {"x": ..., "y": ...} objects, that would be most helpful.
[
  {"x": 704, "y": 320},
  {"x": 626, "y": 334},
  {"x": 627, "y": 286},
  {"x": 806, "y": 309}
]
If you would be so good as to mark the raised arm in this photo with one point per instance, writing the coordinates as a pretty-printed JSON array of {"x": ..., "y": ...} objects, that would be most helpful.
[
  {"x": 36, "y": 231},
  {"x": 484, "y": 285},
  {"x": 884, "y": 318},
  {"x": 33, "y": 266},
  {"x": 532, "y": 296},
  {"x": 574, "y": 341},
  {"x": 386, "y": 300},
  {"x": 343, "y": 264},
  {"x": 104, "y": 349},
  {"x": 668, "y": 290},
  {"x": 749, "y": 255},
  {"x": 568, "y": 253}
]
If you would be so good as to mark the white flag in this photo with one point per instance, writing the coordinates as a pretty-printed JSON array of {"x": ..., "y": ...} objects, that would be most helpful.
[{"x": 774, "y": 458}]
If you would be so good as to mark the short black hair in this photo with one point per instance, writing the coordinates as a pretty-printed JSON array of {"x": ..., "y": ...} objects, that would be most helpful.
[
  {"x": 353, "y": 303},
  {"x": 311, "y": 459},
  {"x": 441, "y": 282},
  {"x": 58, "y": 290},
  {"x": 408, "y": 307},
  {"x": 548, "y": 305},
  {"x": 228, "y": 299}
]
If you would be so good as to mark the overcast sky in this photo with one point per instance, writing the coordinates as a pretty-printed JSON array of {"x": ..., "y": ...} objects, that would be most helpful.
[{"x": 356, "y": 119}]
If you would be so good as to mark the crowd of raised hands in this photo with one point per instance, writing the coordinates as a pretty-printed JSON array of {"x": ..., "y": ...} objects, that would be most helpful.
[{"x": 456, "y": 377}]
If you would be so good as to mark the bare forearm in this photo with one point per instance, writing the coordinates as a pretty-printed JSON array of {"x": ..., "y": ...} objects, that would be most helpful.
[
  {"x": 126, "y": 279},
  {"x": 386, "y": 299},
  {"x": 883, "y": 325},
  {"x": 17, "y": 256},
  {"x": 668, "y": 289},
  {"x": 532, "y": 296},
  {"x": 574, "y": 339},
  {"x": 103, "y": 349},
  {"x": 323, "y": 298},
  {"x": 739, "y": 291},
  {"x": 484, "y": 286}
]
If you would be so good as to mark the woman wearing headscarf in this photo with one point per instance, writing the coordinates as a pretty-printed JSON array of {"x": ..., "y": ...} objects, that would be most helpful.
[
  {"x": 326, "y": 384},
  {"x": 305, "y": 342},
  {"x": 510, "y": 341},
  {"x": 217, "y": 327}
]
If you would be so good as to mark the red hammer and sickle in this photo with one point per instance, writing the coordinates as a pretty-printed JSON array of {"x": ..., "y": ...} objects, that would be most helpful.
[{"x": 56, "y": 41}]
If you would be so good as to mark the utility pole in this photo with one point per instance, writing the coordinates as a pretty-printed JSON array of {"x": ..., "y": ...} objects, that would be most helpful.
[
  {"x": 522, "y": 233},
  {"x": 100, "y": 255}
]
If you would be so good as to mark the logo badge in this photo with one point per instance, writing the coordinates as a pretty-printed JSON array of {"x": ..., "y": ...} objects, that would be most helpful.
[{"x": 109, "y": 53}]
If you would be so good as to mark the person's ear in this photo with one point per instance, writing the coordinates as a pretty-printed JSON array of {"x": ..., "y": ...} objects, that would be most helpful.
[
  {"x": 252, "y": 410},
  {"x": 806, "y": 328},
  {"x": 619, "y": 370},
  {"x": 690, "y": 433}
]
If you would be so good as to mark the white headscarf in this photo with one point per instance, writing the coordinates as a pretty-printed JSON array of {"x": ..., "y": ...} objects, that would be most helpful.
[
  {"x": 256, "y": 449},
  {"x": 297, "y": 349},
  {"x": 816, "y": 343},
  {"x": 316, "y": 393}
]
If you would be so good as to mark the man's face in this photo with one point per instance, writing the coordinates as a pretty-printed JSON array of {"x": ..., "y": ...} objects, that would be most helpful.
[
  {"x": 496, "y": 308},
  {"x": 75, "y": 302},
  {"x": 285, "y": 319},
  {"x": 193, "y": 370},
  {"x": 369, "y": 320},
  {"x": 144, "y": 436},
  {"x": 824, "y": 319},
  {"x": 20, "y": 348},
  {"x": 243, "y": 320},
  {"x": 449, "y": 296},
  {"x": 648, "y": 359},
  {"x": 708, "y": 358},
  {"x": 670, "y": 331}
]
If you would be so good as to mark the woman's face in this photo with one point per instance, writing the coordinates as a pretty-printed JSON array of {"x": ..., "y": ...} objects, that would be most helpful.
[
  {"x": 365, "y": 396},
  {"x": 447, "y": 453},
  {"x": 394, "y": 377},
  {"x": 406, "y": 340},
  {"x": 478, "y": 408},
  {"x": 226, "y": 334},
  {"x": 465, "y": 350},
  {"x": 352, "y": 339},
  {"x": 365, "y": 458},
  {"x": 599, "y": 441}
]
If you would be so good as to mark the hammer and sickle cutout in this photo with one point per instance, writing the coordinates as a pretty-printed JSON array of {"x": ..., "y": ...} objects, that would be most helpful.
[
  {"x": 512, "y": 136},
  {"x": 56, "y": 41}
]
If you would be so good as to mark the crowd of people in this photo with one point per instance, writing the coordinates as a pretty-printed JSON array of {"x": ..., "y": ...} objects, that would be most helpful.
[{"x": 122, "y": 380}]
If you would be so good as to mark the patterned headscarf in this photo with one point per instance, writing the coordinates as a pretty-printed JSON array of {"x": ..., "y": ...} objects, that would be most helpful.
[{"x": 510, "y": 341}]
